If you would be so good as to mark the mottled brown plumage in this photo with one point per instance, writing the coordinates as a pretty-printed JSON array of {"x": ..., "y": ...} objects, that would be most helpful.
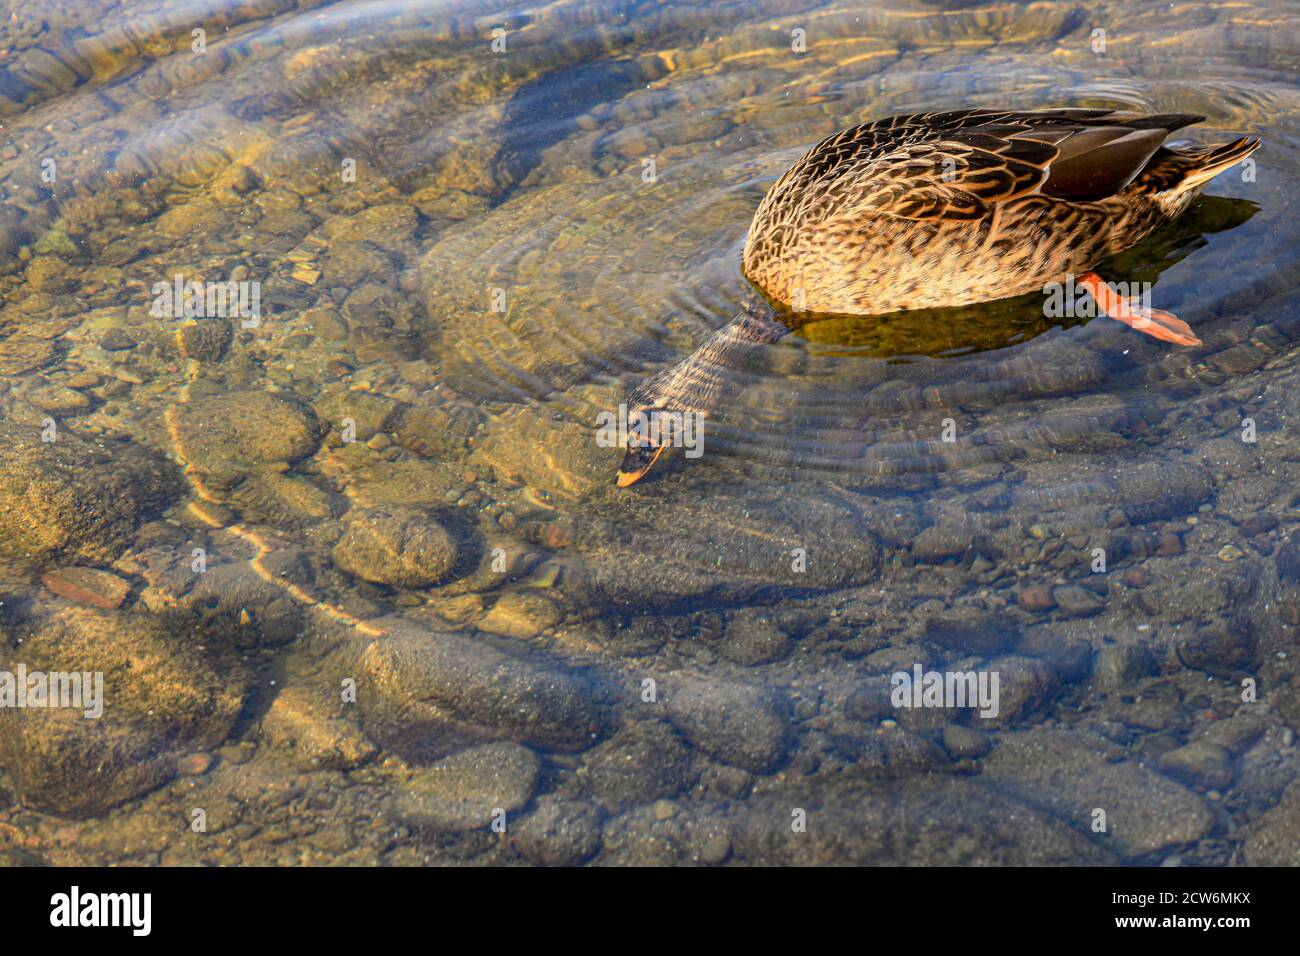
[{"x": 946, "y": 209}]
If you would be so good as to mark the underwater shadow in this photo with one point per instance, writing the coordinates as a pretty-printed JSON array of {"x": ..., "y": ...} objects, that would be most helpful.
[{"x": 987, "y": 326}]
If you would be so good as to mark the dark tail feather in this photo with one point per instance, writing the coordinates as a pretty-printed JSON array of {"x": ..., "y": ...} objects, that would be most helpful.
[
  {"x": 1165, "y": 121},
  {"x": 1200, "y": 164}
]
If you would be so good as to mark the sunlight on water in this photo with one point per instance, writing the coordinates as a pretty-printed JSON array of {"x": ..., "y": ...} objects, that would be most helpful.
[{"x": 309, "y": 312}]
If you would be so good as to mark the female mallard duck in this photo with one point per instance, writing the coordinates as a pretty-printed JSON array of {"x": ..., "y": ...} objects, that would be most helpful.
[{"x": 943, "y": 209}]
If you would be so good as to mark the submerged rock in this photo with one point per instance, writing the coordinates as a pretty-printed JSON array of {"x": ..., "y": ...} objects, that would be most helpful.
[
  {"x": 1235, "y": 734},
  {"x": 665, "y": 833},
  {"x": 1076, "y": 601},
  {"x": 885, "y": 823},
  {"x": 21, "y": 353},
  {"x": 735, "y": 723},
  {"x": 236, "y": 605},
  {"x": 560, "y": 458},
  {"x": 1074, "y": 775},
  {"x": 162, "y": 699},
  {"x": 436, "y": 430},
  {"x": 383, "y": 224},
  {"x": 520, "y": 614},
  {"x": 405, "y": 483},
  {"x": 559, "y": 832},
  {"x": 1025, "y": 686},
  {"x": 965, "y": 742},
  {"x": 1144, "y": 492},
  {"x": 1118, "y": 666},
  {"x": 204, "y": 340},
  {"x": 1288, "y": 560},
  {"x": 1149, "y": 492},
  {"x": 727, "y": 545},
  {"x": 1201, "y": 764},
  {"x": 470, "y": 789},
  {"x": 1226, "y": 647},
  {"x": 644, "y": 761},
  {"x": 1274, "y": 838},
  {"x": 367, "y": 414},
  {"x": 286, "y": 501},
  {"x": 947, "y": 539},
  {"x": 403, "y": 548},
  {"x": 753, "y": 638},
  {"x": 304, "y": 721},
  {"x": 91, "y": 586},
  {"x": 223, "y": 437},
  {"x": 970, "y": 631},
  {"x": 58, "y": 400},
  {"x": 74, "y": 497},
  {"x": 426, "y": 693}
]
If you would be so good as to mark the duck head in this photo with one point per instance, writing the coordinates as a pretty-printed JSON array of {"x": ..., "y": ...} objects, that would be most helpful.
[
  {"x": 647, "y": 439},
  {"x": 659, "y": 415}
]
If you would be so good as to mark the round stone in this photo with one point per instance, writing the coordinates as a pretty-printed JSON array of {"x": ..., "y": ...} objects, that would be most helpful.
[
  {"x": 470, "y": 789},
  {"x": 405, "y": 549}
]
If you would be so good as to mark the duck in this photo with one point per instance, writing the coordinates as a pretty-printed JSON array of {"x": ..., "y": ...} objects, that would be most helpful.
[{"x": 938, "y": 210}]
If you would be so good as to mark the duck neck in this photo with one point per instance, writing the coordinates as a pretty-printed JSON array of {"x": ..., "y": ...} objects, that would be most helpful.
[
  {"x": 757, "y": 322},
  {"x": 707, "y": 377}
]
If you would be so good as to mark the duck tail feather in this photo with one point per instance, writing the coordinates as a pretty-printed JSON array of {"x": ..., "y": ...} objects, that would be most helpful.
[
  {"x": 1165, "y": 121},
  {"x": 1203, "y": 163}
]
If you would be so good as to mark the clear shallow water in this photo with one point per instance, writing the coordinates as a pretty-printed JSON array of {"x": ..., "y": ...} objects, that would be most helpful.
[{"x": 461, "y": 263}]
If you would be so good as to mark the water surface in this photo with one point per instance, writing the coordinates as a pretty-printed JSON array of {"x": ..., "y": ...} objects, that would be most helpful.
[{"x": 374, "y": 598}]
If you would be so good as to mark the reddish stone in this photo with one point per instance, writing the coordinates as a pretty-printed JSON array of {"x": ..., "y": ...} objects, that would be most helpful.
[
  {"x": 1170, "y": 546},
  {"x": 1136, "y": 578},
  {"x": 88, "y": 586},
  {"x": 558, "y": 535},
  {"x": 1037, "y": 598},
  {"x": 194, "y": 765}
]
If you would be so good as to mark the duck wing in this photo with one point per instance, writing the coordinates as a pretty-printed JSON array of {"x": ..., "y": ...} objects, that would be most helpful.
[{"x": 954, "y": 166}]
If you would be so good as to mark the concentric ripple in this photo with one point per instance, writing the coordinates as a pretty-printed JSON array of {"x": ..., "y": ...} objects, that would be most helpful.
[{"x": 623, "y": 252}]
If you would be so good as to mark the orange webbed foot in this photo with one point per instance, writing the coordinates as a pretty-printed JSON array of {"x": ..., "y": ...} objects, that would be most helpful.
[{"x": 1156, "y": 323}]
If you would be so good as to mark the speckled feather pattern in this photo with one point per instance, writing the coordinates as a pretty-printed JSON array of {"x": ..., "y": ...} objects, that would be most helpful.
[{"x": 946, "y": 209}]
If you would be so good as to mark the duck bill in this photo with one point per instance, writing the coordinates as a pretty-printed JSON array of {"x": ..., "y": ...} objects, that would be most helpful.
[{"x": 636, "y": 463}]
